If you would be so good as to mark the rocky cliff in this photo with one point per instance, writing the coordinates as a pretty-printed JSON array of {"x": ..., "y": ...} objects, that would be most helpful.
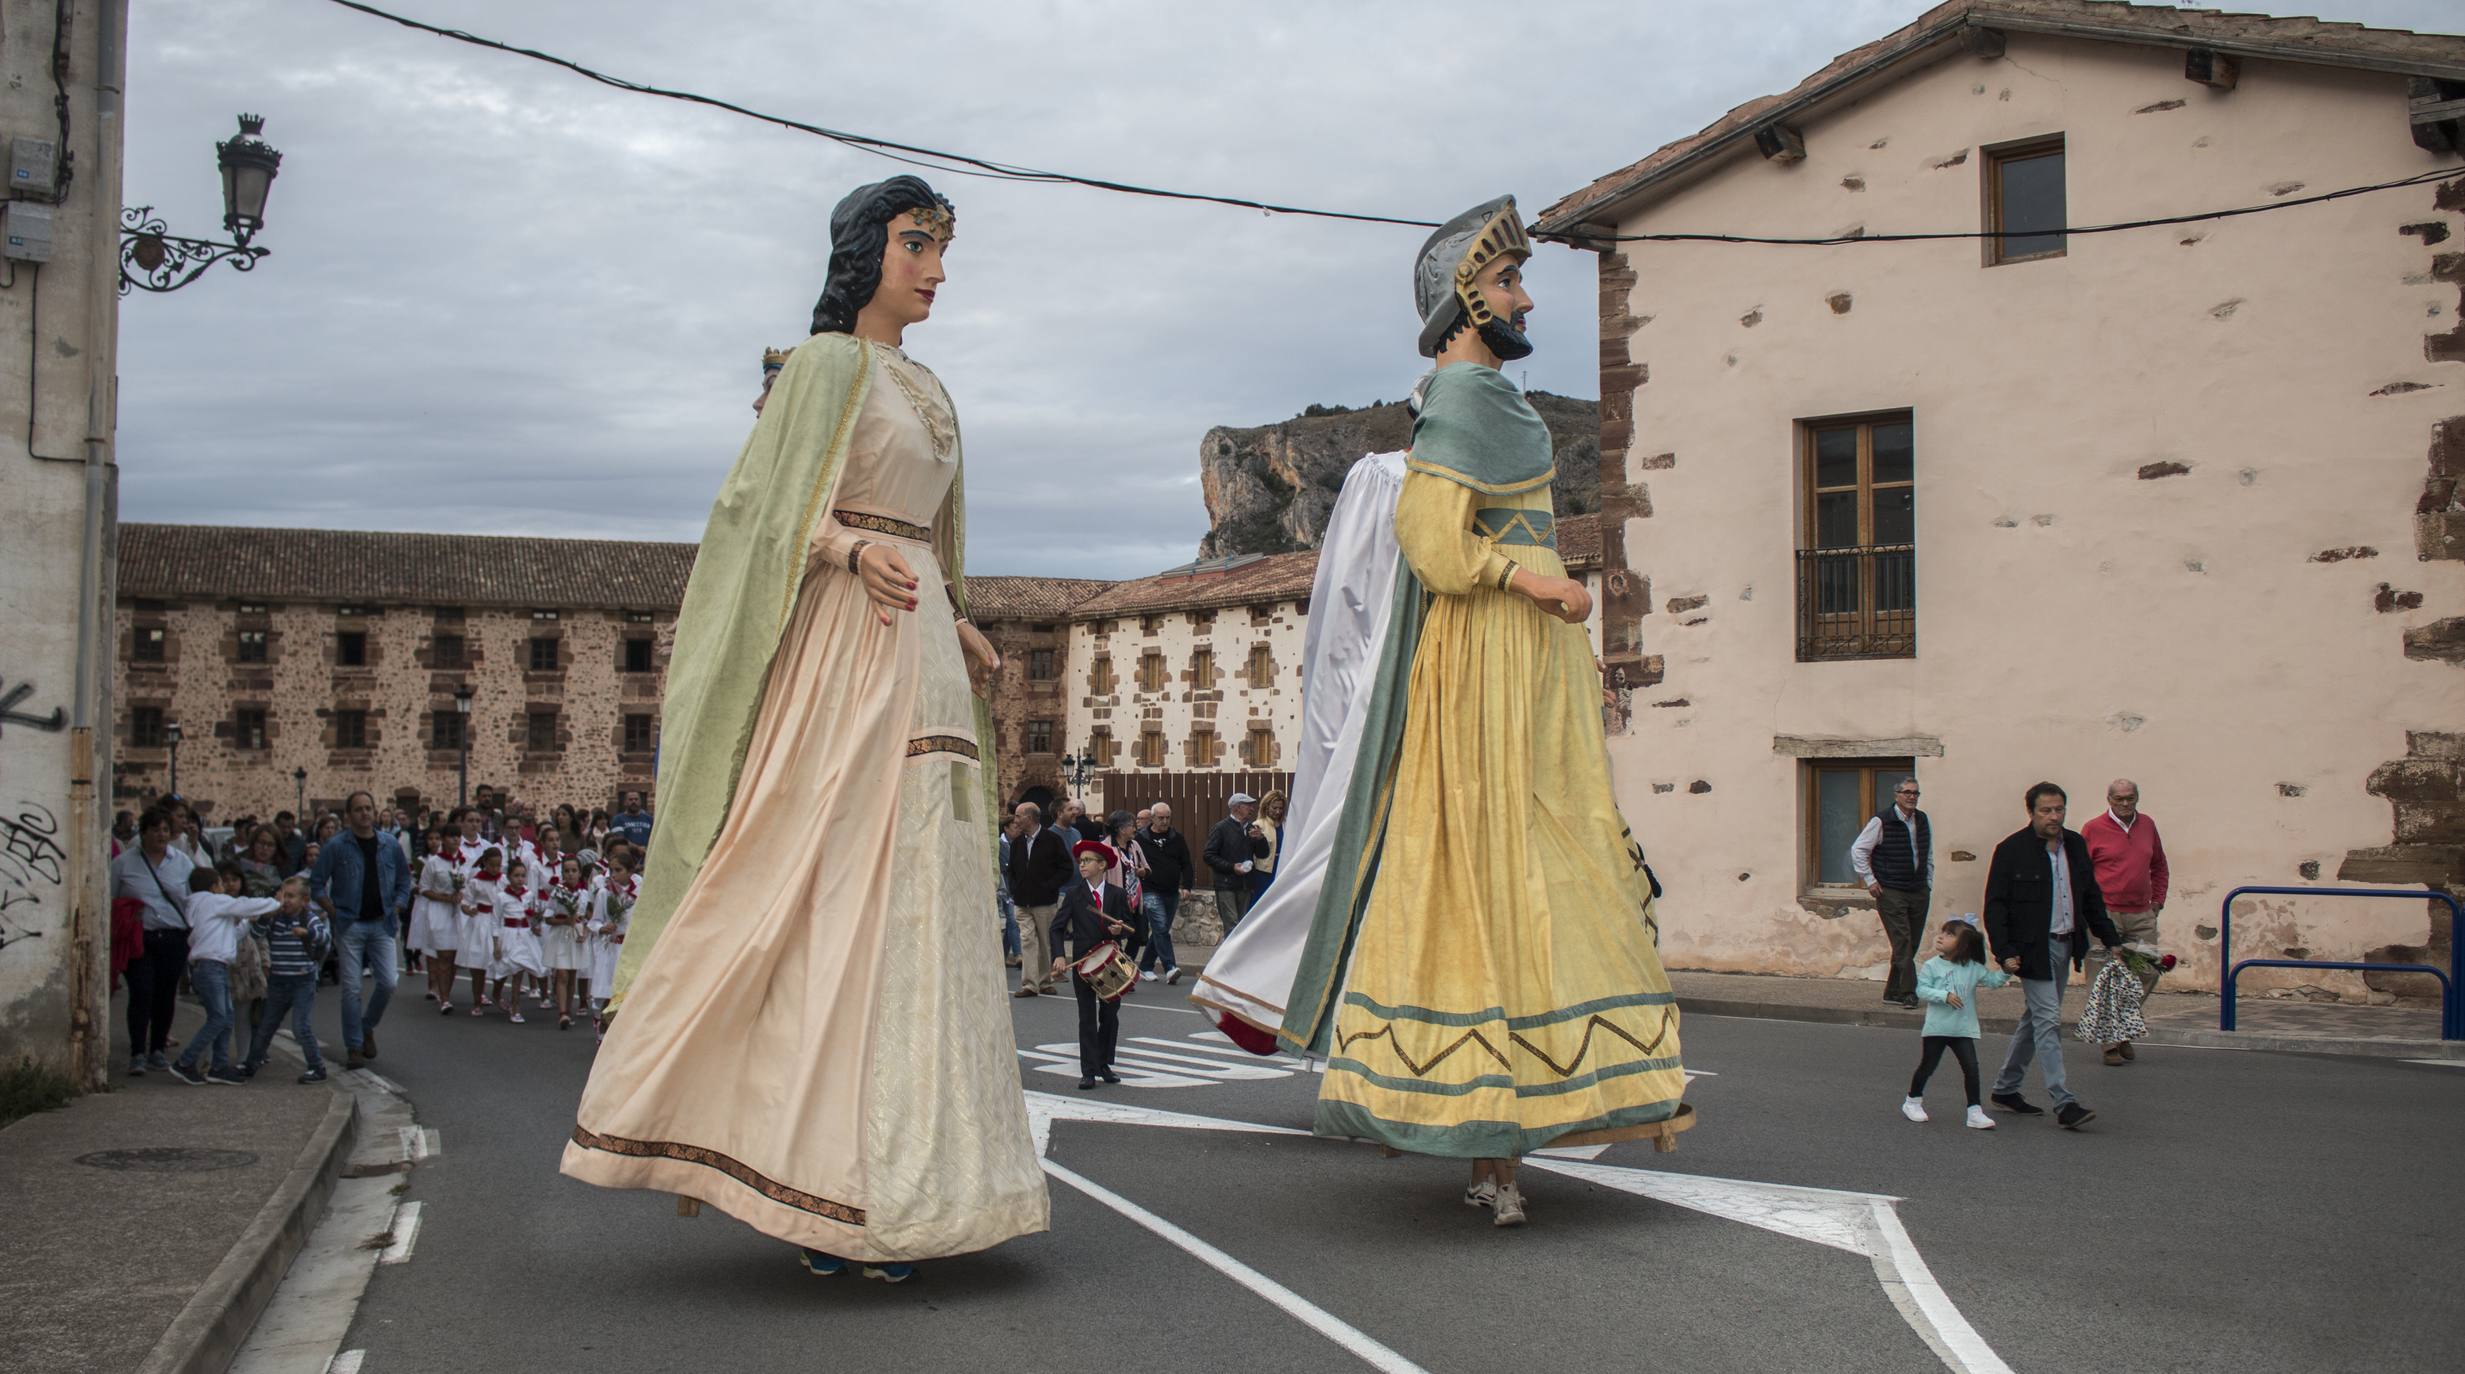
[{"x": 1269, "y": 487}]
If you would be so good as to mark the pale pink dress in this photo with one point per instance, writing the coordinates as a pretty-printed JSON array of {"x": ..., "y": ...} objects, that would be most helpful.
[{"x": 819, "y": 1044}]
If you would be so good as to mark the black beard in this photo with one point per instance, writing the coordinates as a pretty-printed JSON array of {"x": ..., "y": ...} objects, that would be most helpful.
[{"x": 1508, "y": 342}]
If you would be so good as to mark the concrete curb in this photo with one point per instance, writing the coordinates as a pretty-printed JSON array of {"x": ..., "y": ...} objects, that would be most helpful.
[
  {"x": 1896, "y": 1018},
  {"x": 207, "y": 1335}
]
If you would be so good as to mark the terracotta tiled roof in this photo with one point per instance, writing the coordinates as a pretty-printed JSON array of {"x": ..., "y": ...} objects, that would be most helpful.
[
  {"x": 218, "y": 562},
  {"x": 2244, "y": 35},
  {"x": 1278, "y": 577},
  {"x": 368, "y": 567},
  {"x": 1029, "y": 598}
]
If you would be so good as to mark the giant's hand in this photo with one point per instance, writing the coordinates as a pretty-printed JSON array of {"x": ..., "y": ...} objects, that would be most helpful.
[
  {"x": 983, "y": 660},
  {"x": 1562, "y": 597},
  {"x": 887, "y": 580}
]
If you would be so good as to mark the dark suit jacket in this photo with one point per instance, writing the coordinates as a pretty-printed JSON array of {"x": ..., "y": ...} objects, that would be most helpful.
[
  {"x": 2020, "y": 902},
  {"x": 1077, "y": 928},
  {"x": 1228, "y": 845},
  {"x": 1038, "y": 871}
]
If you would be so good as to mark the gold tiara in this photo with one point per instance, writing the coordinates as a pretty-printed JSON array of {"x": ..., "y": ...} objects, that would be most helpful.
[{"x": 937, "y": 220}]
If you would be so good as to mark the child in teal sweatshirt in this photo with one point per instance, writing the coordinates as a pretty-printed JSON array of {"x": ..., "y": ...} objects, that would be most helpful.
[{"x": 1947, "y": 984}]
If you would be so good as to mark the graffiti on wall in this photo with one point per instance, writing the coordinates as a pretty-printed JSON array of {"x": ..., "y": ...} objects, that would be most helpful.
[
  {"x": 32, "y": 865},
  {"x": 11, "y": 715}
]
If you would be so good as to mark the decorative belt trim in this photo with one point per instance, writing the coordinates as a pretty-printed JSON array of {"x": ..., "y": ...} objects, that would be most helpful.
[
  {"x": 942, "y": 744},
  {"x": 882, "y": 524},
  {"x": 1509, "y": 526},
  {"x": 517, "y": 925},
  {"x": 734, "y": 1168}
]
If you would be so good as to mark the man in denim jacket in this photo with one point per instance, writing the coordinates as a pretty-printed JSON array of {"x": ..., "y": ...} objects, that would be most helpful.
[{"x": 363, "y": 882}]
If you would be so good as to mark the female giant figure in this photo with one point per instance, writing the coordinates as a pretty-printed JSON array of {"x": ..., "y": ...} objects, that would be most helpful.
[{"x": 812, "y": 1034}]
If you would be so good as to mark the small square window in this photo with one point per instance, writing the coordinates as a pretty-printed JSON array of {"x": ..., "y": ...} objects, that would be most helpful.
[
  {"x": 351, "y": 649},
  {"x": 1262, "y": 666},
  {"x": 637, "y": 734},
  {"x": 248, "y": 727},
  {"x": 252, "y": 646},
  {"x": 145, "y": 727},
  {"x": 252, "y": 608},
  {"x": 637, "y": 655},
  {"x": 539, "y": 732},
  {"x": 543, "y": 615},
  {"x": 148, "y": 647},
  {"x": 448, "y": 651},
  {"x": 350, "y": 729},
  {"x": 1039, "y": 737},
  {"x": 1040, "y": 665},
  {"x": 1842, "y": 796},
  {"x": 445, "y": 729},
  {"x": 2025, "y": 201},
  {"x": 543, "y": 654},
  {"x": 1151, "y": 749}
]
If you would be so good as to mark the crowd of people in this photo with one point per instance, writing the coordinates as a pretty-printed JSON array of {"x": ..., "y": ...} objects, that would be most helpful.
[{"x": 252, "y": 919}]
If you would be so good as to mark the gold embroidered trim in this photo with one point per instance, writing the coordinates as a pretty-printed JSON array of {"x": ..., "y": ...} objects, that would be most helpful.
[
  {"x": 882, "y": 524},
  {"x": 941, "y": 423},
  {"x": 942, "y": 744},
  {"x": 734, "y": 1168},
  {"x": 1583, "y": 1051},
  {"x": 822, "y": 484}
]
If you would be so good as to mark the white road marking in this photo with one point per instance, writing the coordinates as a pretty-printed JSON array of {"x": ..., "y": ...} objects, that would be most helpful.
[
  {"x": 346, "y": 1362},
  {"x": 1903, "y": 1271},
  {"x": 1308, "y": 1313},
  {"x": 1061, "y": 1061},
  {"x": 1135, "y": 1005},
  {"x": 2440, "y": 1063},
  {"x": 406, "y": 1234}
]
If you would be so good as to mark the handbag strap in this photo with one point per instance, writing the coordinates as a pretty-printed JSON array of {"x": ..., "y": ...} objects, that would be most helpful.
[{"x": 178, "y": 907}]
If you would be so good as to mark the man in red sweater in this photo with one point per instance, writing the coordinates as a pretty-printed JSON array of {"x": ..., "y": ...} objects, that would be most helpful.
[{"x": 2131, "y": 873}]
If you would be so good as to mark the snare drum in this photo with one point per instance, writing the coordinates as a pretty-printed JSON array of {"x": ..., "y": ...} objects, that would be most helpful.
[{"x": 1107, "y": 970}]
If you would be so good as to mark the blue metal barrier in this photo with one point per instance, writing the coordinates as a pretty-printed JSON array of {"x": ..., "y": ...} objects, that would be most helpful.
[{"x": 2451, "y": 980}]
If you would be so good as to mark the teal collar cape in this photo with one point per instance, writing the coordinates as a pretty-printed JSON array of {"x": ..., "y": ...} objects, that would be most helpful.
[{"x": 1474, "y": 429}]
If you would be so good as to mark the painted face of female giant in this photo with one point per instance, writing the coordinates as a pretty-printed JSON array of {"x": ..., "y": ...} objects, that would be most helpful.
[{"x": 912, "y": 271}]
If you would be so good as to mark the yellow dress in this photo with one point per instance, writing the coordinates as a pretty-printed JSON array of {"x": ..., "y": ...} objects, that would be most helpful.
[{"x": 1504, "y": 992}]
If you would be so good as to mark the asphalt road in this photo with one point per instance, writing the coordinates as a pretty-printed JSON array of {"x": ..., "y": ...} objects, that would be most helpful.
[{"x": 2225, "y": 1211}]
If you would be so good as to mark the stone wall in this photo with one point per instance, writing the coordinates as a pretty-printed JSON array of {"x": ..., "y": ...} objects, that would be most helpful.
[
  {"x": 302, "y": 689},
  {"x": 1019, "y": 697}
]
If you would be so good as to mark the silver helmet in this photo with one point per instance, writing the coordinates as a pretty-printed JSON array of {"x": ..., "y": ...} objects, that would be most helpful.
[{"x": 1450, "y": 259}]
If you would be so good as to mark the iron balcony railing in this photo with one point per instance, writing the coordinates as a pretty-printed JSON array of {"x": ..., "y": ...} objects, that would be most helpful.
[{"x": 1857, "y": 603}]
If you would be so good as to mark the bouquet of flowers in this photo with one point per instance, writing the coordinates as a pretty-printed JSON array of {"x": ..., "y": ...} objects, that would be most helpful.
[
  {"x": 2145, "y": 962},
  {"x": 567, "y": 903}
]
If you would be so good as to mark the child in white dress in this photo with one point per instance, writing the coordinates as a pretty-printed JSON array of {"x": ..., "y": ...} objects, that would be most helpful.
[
  {"x": 480, "y": 925},
  {"x": 518, "y": 953},
  {"x": 611, "y": 914},
  {"x": 563, "y": 908},
  {"x": 436, "y": 917}
]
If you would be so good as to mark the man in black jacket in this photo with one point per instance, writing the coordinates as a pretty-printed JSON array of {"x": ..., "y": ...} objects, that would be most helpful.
[
  {"x": 1039, "y": 870},
  {"x": 2041, "y": 898},
  {"x": 1233, "y": 847},
  {"x": 1091, "y": 912},
  {"x": 1168, "y": 876}
]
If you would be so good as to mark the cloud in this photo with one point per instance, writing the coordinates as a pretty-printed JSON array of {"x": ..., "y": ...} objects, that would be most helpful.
[{"x": 502, "y": 299}]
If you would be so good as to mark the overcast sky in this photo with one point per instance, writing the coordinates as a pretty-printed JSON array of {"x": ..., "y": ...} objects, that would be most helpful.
[{"x": 505, "y": 300}]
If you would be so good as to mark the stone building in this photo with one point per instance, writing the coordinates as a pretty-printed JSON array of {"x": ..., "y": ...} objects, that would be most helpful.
[
  {"x": 2150, "y": 503},
  {"x": 301, "y": 665},
  {"x": 1027, "y": 618}
]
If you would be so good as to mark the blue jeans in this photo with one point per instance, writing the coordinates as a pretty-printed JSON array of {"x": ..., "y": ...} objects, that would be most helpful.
[
  {"x": 369, "y": 943},
  {"x": 298, "y": 995},
  {"x": 2039, "y": 1035},
  {"x": 1160, "y": 907},
  {"x": 212, "y": 980},
  {"x": 1009, "y": 928}
]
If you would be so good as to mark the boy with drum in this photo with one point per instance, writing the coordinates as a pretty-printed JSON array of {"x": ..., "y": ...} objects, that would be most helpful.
[{"x": 1095, "y": 937}]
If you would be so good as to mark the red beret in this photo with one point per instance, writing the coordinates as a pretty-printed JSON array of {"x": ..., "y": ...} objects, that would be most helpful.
[{"x": 1098, "y": 848}]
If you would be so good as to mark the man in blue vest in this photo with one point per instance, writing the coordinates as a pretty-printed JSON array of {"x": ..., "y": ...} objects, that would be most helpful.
[{"x": 1894, "y": 858}]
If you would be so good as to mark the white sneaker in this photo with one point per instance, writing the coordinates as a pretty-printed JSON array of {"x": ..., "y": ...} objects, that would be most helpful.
[
  {"x": 1173, "y": 974},
  {"x": 1147, "y": 977},
  {"x": 1979, "y": 1121},
  {"x": 1914, "y": 1109},
  {"x": 1481, "y": 1194},
  {"x": 1510, "y": 1207}
]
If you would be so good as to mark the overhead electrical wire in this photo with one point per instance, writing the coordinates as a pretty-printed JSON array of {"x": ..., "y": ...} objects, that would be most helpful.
[{"x": 964, "y": 164}]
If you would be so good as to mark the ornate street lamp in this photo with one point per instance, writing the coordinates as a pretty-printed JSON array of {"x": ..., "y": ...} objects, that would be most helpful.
[
  {"x": 171, "y": 732},
  {"x": 164, "y": 261},
  {"x": 1076, "y": 769},
  {"x": 299, "y": 792},
  {"x": 462, "y": 713}
]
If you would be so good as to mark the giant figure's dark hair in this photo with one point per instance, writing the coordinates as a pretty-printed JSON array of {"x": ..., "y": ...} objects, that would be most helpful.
[{"x": 859, "y": 230}]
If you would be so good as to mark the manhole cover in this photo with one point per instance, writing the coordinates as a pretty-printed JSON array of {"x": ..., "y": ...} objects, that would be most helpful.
[{"x": 168, "y": 1159}]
